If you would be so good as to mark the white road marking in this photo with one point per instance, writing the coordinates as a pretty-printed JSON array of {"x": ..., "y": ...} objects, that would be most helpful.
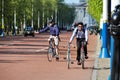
[
  {"x": 42, "y": 49},
  {"x": 6, "y": 44}
]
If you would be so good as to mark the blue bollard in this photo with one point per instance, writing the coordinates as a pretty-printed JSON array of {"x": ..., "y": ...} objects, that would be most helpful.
[{"x": 104, "y": 51}]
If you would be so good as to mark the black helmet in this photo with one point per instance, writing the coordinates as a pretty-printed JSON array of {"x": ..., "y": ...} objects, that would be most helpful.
[{"x": 51, "y": 20}]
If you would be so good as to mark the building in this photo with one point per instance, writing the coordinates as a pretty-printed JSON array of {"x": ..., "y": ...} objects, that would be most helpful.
[{"x": 82, "y": 14}]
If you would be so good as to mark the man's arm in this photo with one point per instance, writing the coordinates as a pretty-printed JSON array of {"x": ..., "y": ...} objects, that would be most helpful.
[
  {"x": 73, "y": 35},
  {"x": 44, "y": 29}
]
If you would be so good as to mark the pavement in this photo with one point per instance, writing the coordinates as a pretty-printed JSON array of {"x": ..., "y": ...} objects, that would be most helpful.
[
  {"x": 101, "y": 69},
  {"x": 21, "y": 66}
]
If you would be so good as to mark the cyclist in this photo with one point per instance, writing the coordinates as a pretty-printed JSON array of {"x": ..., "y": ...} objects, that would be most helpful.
[
  {"x": 81, "y": 34},
  {"x": 54, "y": 33}
]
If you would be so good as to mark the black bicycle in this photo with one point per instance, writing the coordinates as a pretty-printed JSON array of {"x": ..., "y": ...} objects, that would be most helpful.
[{"x": 51, "y": 50}]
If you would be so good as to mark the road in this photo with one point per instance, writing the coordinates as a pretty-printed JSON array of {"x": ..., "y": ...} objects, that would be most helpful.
[{"x": 25, "y": 58}]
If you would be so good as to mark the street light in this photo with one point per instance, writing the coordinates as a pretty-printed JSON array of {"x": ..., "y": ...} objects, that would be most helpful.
[{"x": 115, "y": 32}]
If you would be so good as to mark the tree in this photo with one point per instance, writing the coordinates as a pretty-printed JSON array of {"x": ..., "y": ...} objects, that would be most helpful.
[
  {"x": 66, "y": 14},
  {"x": 95, "y": 9},
  {"x": 42, "y": 11}
]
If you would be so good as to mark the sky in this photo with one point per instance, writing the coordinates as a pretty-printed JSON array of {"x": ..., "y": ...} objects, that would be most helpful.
[{"x": 71, "y": 1}]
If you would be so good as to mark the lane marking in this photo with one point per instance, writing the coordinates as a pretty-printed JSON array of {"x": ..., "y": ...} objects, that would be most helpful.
[
  {"x": 43, "y": 49},
  {"x": 6, "y": 44}
]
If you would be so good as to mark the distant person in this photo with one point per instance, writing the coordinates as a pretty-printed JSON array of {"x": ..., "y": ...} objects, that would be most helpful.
[{"x": 81, "y": 35}]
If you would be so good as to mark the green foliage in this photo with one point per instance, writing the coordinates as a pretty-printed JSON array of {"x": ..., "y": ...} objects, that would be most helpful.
[
  {"x": 95, "y": 9},
  {"x": 24, "y": 7},
  {"x": 66, "y": 14}
]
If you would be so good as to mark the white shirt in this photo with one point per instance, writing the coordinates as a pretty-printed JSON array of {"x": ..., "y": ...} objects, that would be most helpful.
[{"x": 79, "y": 34}]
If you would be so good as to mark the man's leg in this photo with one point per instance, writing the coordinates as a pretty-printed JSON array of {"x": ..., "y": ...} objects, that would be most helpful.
[
  {"x": 57, "y": 47},
  {"x": 78, "y": 50},
  {"x": 57, "y": 50},
  {"x": 85, "y": 50}
]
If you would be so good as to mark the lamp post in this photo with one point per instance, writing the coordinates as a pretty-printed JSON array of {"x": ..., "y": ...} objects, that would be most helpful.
[
  {"x": 115, "y": 32},
  {"x": 112, "y": 41}
]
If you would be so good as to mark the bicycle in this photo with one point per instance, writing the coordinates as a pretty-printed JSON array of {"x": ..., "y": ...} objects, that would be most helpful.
[
  {"x": 69, "y": 62},
  {"x": 68, "y": 56},
  {"x": 51, "y": 50},
  {"x": 83, "y": 54}
]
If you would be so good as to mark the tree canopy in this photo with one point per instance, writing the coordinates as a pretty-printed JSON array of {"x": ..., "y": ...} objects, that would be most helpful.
[
  {"x": 95, "y": 9},
  {"x": 47, "y": 8}
]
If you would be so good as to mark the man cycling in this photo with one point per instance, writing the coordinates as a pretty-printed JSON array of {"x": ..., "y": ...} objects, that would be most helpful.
[
  {"x": 54, "y": 33},
  {"x": 81, "y": 35}
]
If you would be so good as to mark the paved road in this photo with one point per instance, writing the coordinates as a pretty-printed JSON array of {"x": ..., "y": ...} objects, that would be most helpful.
[{"x": 25, "y": 58}]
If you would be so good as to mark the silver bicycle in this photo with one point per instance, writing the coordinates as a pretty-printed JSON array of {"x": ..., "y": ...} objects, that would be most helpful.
[
  {"x": 68, "y": 57},
  {"x": 51, "y": 50}
]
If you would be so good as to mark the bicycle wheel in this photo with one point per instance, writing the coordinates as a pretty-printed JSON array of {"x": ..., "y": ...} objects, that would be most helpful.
[
  {"x": 83, "y": 60},
  {"x": 68, "y": 60},
  {"x": 68, "y": 63},
  {"x": 50, "y": 54},
  {"x": 83, "y": 67}
]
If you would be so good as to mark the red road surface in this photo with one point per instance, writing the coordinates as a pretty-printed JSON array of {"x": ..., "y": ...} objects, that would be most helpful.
[{"x": 25, "y": 58}]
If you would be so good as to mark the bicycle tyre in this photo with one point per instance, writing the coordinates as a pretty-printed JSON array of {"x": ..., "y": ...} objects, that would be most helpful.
[
  {"x": 68, "y": 64},
  {"x": 83, "y": 60},
  {"x": 83, "y": 67},
  {"x": 49, "y": 54},
  {"x": 68, "y": 61}
]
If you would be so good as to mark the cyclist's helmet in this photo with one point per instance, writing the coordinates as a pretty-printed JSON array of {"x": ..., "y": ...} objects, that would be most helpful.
[{"x": 51, "y": 21}]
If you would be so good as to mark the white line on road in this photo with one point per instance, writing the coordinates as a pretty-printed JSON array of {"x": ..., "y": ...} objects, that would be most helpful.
[{"x": 42, "y": 49}]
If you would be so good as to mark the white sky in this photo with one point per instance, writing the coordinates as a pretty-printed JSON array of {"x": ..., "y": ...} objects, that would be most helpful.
[{"x": 71, "y": 1}]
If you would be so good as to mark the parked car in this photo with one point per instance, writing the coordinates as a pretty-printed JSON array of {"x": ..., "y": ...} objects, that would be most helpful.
[{"x": 29, "y": 31}]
